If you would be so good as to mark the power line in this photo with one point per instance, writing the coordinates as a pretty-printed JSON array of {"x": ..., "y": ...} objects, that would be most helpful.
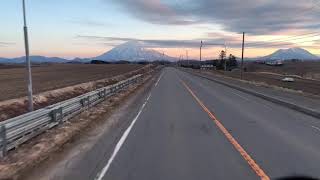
[
  {"x": 297, "y": 37},
  {"x": 275, "y": 45},
  {"x": 308, "y": 35},
  {"x": 310, "y": 9}
]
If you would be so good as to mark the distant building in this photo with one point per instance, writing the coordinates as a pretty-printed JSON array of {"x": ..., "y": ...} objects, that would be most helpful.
[
  {"x": 274, "y": 63},
  {"x": 208, "y": 66}
]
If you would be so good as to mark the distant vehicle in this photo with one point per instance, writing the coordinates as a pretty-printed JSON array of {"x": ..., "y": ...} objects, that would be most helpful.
[{"x": 288, "y": 79}]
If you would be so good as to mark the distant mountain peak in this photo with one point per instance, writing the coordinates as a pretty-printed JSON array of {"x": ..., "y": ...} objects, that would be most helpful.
[
  {"x": 291, "y": 53},
  {"x": 133, "y": 51},
  {"x": 34, "y": 59},
  {"x": 133, "y": 43}
]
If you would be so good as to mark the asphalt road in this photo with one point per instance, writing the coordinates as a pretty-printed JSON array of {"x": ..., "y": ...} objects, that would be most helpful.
[{"x": 191, "y": 128}]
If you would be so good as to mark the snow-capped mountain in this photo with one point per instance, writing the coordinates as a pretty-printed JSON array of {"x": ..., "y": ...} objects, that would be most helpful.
[
  {"x": 292, "y": 53},
  {"x": 133, "y": 51}
]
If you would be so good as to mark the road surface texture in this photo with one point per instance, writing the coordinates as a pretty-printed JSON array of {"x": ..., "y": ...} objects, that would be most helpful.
[{"x": 191, "y": 128}]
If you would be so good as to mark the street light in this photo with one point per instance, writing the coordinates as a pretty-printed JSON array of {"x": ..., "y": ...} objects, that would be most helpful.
[{"x": 28, "y": 64}]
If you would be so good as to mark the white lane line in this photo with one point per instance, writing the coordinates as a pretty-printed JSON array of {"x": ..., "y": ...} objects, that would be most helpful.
[
  {"x": 267, "y": 106},
  {"x": 158, "y": 80},
  {"x": 240, "y": 96},
  {"x": 121, "y": 142},
  {"x": 315, "y": 127}
]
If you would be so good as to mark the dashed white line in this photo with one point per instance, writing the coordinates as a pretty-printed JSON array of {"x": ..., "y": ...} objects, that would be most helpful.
[
  {"x": 240, "y": 96},
  {"x": 247, "y": 99},
  {"x": 121, "y": 142},
  {"x": 315, "y": 127},
  {"x": 158, "y": 80}
]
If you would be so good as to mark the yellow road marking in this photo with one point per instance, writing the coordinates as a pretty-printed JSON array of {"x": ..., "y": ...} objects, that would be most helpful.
[{"x": 243, "y": 153}]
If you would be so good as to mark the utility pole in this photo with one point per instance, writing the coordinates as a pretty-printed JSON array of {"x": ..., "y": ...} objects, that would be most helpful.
[
  {"x": 225, "y": 61},
  {"x": 241, "y": 71},
  {"x": 201, "y": 54},
  {"x": 178, "y": 60},
  {"x": 162, "y": 55},
  {"x": 28, "y": 64},
  {"x": 187, "y": 56}
]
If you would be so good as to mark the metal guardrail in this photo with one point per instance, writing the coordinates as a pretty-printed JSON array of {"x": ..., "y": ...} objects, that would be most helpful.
[{"x": 15, "y": 131}]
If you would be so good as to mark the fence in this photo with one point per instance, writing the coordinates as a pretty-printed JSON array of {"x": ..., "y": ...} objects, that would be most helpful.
[{"x": 15, "y": 131}]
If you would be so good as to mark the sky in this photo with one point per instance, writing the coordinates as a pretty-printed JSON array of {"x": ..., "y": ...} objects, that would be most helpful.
[{"x": 88, "y": 28}]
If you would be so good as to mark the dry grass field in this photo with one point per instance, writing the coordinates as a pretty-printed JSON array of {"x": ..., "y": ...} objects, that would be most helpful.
[
  {"x": 54, "y": 76},
  {"x": 303, "y": 69}
]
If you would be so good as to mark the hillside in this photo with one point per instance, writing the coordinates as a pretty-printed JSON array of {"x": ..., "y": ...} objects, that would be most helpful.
[{"x": 34, "y": 59}]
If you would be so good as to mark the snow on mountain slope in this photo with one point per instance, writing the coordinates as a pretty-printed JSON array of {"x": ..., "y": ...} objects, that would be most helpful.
[
  {"x": 133, "y": 51},
  {"x": 292, "y": 53}
]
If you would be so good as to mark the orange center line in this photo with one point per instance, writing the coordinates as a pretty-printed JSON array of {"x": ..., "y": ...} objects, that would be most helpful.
[{"x": 243, "y": 153}]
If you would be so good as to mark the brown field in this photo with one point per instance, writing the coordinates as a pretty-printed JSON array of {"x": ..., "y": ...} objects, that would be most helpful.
[
  {"x": 303, "y": 69},
  {"x": 54, "y": 76}
]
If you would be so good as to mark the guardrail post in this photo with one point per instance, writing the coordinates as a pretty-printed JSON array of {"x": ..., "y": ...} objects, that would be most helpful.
[
  {"x": 57, "y": 115},
  {"x": 3, "y": 136},
  {"x": 85, "y": 101},
  {"x": 103, "y": 93},
  {"x": 112, "y": 89},
  {"x": 139, "y": 79}
]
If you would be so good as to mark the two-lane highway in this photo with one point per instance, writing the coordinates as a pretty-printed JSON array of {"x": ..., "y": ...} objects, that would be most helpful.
[
  {"x": 174, "y": 138},
  {"x": 192, "y": 128}
]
